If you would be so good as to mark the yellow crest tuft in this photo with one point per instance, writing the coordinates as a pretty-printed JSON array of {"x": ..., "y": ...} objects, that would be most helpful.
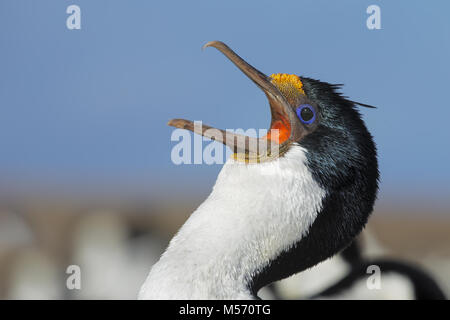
[{"x": 283, "y": 81}]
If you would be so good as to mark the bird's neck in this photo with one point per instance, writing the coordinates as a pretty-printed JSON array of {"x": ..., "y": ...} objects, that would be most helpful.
[{"x": 254, "y": 213}]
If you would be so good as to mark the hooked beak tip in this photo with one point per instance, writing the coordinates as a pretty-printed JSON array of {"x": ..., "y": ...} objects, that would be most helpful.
[{"x": 212, "y": 44}]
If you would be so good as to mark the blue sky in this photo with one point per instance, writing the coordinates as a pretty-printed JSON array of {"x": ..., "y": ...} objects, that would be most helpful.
[{"x": 90, "y": 106}]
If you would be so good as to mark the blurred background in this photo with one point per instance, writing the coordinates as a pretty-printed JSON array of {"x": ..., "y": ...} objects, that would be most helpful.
[{"x": 86, "y": 176}]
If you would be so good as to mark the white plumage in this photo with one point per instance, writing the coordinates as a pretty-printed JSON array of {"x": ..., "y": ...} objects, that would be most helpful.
[{"x": 254, "y": 213}]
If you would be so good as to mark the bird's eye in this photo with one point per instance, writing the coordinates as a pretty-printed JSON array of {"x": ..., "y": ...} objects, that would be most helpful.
[{"x": 306, "y": 113}]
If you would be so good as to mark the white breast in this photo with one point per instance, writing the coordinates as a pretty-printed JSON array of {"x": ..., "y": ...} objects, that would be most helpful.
[{"x": 255, "y": 212}]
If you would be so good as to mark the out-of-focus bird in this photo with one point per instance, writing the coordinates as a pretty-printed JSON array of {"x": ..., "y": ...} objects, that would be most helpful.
[
  {"x": 399, "y": 279},
  {"x": 348, "y": 276},
  {"x": 112, "y": 265},
  {"x": 282, "y": 203}
]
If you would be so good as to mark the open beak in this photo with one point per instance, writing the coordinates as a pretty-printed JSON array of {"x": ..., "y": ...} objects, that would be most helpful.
[{"x": 283, "y": 117}]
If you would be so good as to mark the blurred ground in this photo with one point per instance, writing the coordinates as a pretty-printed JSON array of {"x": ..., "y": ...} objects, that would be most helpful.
[{"x": 115, "y": 243}]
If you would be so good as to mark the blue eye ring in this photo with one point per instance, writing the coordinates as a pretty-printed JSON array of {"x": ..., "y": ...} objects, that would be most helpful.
[{"x": 305, "y": 118}]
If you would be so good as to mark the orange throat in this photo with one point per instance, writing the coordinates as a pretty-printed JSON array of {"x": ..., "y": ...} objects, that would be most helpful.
[{"x": 280, "y": 131}]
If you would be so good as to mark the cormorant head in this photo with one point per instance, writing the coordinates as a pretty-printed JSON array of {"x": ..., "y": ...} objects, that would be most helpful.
[{"x": 304, "y": 111}]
